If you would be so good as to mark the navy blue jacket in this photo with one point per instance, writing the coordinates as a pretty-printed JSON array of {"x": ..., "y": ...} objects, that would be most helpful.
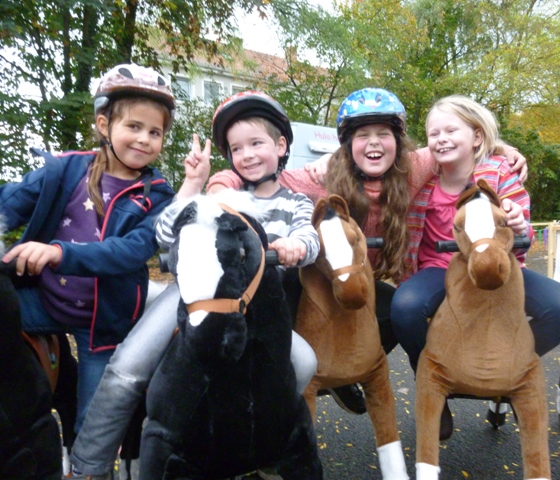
[{"x": 118, "y": 261}]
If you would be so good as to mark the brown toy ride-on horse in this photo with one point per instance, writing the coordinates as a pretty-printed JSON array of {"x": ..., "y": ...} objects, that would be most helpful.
[
  {"x": 479, "y": 342},
  {"x": 336, "y": 316}
]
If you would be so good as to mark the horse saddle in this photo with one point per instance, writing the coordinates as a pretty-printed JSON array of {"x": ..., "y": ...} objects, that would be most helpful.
[{"x": 47, "y": 351}]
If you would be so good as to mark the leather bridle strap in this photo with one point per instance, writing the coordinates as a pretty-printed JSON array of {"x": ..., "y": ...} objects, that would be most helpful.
[{"x": 231, "y": 305}]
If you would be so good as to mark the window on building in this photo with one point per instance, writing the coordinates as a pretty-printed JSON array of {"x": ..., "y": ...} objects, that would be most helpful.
[
  {"x": 183, "y": 87},
  {"x": 237, "y": 89},
  {"x": 211, "y": 91}
]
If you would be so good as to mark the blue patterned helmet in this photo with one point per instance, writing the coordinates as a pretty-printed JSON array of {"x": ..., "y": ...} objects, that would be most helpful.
[{"x": 369, "y": 105}]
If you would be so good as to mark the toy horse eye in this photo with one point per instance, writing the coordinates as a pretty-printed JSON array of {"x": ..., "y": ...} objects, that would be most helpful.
[
  {"x": 241, "y": 255},
  {"x": 456, "y": 228}
]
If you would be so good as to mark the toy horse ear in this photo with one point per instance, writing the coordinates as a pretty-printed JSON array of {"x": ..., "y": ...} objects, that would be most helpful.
[
  {"x": 340, "y": 206},
  {"x": 259, "y": 229},
  {"x": 489, "y": 192},
  {"x": 319, "y": 212},
  {"x": 186, "y": 216},
  {"x": 467, "y": 196}
]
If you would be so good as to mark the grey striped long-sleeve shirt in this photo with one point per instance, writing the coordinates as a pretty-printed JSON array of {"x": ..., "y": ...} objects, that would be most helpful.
[{"x": 285, "y": 214}]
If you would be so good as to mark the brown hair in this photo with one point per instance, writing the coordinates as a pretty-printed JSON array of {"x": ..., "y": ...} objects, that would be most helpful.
[
  {"x": 272, "y": 130},
  {"x": 114, "y": 111},
  {"x": 345, "y": 179}
]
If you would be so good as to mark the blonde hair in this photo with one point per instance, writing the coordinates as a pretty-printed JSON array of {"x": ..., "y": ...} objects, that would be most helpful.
[
  {"x": 474, "y": 115},
  {"x": 115, "y": 111},
  {"x": 345, "y": 179}
]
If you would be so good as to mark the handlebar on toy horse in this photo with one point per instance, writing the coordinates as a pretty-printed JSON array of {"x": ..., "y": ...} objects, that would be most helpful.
[
  {"x": 8, "y": 267},
  {"x": 271, "y": 256},
  {"x": 443, "y": 246}
]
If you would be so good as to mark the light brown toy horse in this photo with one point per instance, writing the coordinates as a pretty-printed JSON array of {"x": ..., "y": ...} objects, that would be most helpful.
[
  {"x": 479, "y": 342},
  {"x": 336, "y": 315}
]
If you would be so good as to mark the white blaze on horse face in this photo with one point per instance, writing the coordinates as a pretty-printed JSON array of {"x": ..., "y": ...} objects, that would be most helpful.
[
  {"x": 338, "y": 251},
  {"x": 198, "y": 267},
  {"x": 479, "y": 221}
]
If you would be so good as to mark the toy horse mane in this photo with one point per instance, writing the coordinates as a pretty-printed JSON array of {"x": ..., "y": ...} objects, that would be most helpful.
[{"x": 208, "y": 206}]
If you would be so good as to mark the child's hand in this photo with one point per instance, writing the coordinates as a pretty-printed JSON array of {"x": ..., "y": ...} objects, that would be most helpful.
[
  {"x": 517, "y": 163},
  {"x": 33, "y": 256},
  {"x": 515, "y": 218},
  {"x": 290, "y": 250},
  {"x": 197, "y": 169},
  {"x": 317, "y": 170}
]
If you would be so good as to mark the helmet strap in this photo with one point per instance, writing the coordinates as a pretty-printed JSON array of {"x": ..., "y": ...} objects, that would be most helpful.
[
  {"x": 250, "y": 185},
  {"x": 106, "y": 142}
]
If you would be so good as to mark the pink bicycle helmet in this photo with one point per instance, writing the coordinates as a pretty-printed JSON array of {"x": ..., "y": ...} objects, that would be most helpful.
[{"x": 128, "y": 80}]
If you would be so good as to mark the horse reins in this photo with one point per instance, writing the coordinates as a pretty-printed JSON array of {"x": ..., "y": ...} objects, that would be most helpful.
[{"x": 232, "y": 305}]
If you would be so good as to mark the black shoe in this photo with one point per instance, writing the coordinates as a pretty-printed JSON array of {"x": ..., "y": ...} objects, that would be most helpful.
[
  {"x": 349, "y": 398},
  {"x": 446, "y": 423},
  {"x": 496, "y": 419}
]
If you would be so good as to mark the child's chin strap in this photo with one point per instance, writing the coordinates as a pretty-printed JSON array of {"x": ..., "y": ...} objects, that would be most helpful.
[
  {"x": 249, "y": 185},
  {"x": 145, "y": 170},
  {"x": 106, "y": 142}
]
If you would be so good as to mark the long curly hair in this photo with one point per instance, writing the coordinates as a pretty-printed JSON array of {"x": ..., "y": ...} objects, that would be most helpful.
[{"x": 346, "y": 180}]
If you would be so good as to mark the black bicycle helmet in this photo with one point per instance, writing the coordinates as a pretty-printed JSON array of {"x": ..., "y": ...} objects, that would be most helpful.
[{"x": 250, "y": 103}]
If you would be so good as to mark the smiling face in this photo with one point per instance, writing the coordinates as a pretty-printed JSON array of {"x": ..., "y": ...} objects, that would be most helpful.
[
  {"x": 450, "y": 139},
  {"x": 254, "y": 152},
  {"x": 374, "y": 149},
  {"x": 136, "y": 136}
]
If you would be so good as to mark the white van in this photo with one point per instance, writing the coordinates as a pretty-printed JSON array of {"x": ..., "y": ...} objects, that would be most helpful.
[{"x": 310, "y": 143}]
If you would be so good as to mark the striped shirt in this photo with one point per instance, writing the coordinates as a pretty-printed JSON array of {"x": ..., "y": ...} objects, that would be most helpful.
[
  {"x": 299, "y": 180},
  {"x": 284, "y": 214},
  {"x": 495, "y": 170}
]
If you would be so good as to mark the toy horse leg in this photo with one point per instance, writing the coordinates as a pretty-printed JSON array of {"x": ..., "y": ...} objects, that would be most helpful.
[
  {"x": 310, "y": 396},
  {"x": 430, "y": 399},
  {"x": 301, "y": 461},
  {"x": 531, "y": 409},
  {"x": 380, "y": 402}
]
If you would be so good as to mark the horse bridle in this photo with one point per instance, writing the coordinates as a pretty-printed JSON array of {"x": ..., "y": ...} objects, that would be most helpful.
[
  {"x": 232, "y": 305},
  {"x": 349, "y": 268}
]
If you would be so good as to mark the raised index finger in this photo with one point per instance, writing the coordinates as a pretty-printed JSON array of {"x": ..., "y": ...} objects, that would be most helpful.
[{"x": 196, "y": 143}]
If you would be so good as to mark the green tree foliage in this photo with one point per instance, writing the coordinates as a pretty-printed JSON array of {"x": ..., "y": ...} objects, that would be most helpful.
[
  {"x": 51, "y": 50},
  {"x": 503, "y": 53}
]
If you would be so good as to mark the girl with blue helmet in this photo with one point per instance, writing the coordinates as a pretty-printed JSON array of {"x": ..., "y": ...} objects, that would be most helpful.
[{"x": 378, "y": 173}]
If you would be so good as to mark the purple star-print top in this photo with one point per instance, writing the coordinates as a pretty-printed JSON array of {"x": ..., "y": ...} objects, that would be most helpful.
[{"x": 67, "y": 298}]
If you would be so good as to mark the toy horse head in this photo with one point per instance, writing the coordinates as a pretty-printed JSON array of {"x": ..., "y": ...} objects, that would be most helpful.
[
  {"x": 343, "y": 252},
  {"x": 217, "y": 260},
  {"x": 483, "y": 237}
]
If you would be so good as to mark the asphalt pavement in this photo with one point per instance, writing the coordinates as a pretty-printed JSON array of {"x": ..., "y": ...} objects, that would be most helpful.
[{"x": 475, "y": 450}]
